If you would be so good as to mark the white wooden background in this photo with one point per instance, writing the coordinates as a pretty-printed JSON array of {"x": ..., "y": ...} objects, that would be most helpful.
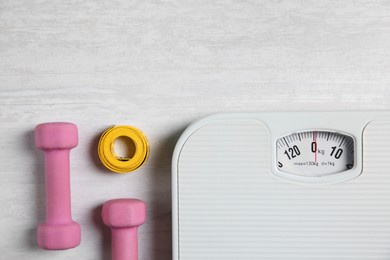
[{"x": 158, "y": 65}]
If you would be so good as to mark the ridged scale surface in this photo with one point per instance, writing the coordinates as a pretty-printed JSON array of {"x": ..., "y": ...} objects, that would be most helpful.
[{"x": 230, "y": 207}]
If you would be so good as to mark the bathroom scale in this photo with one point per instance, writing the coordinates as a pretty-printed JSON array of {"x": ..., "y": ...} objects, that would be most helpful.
[{"x": 289, "y": 185}]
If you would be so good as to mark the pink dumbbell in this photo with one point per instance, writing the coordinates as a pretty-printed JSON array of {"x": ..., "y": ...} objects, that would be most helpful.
[
  {"x": 59, "y": 231},
  {"x": 124, "y": 216}
]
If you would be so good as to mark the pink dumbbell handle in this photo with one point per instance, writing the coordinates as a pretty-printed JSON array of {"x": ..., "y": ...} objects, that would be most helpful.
[
  {"x": 124, "y": 243},
  {"x": 58, "y": 208}
]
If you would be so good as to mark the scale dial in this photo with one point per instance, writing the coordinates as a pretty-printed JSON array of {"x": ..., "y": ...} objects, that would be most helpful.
[{"x": 315, "y": 153}]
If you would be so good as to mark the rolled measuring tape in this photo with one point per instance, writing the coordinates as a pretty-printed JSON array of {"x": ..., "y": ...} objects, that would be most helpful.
[{"x": 123, "y": 164}]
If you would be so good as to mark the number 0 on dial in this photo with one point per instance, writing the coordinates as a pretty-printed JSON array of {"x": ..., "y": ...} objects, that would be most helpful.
[{"x": 315, "y": 153}]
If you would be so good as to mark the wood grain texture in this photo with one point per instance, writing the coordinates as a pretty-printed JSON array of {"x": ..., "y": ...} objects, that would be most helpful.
[{"x": 159, "y": 65}]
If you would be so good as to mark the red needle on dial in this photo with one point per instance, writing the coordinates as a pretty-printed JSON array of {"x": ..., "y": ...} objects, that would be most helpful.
[{"x": 315, "y": 141}]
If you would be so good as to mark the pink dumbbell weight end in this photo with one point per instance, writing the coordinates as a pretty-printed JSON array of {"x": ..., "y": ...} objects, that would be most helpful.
[
  {"x": 59, "y": 231},
  {"x": 124, "y": 216}
]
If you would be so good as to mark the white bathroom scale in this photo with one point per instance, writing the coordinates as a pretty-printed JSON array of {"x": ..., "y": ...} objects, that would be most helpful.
[{"x": 307, "y": 185}]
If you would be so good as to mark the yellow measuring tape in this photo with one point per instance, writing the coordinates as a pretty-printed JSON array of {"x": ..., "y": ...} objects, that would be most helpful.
[{"x": 123, "y": 164}]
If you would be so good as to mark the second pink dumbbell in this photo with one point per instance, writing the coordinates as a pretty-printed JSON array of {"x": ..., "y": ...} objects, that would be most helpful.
[
  {"x": 124, "y": 216},
  {"x": 59, "y": 231}
]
